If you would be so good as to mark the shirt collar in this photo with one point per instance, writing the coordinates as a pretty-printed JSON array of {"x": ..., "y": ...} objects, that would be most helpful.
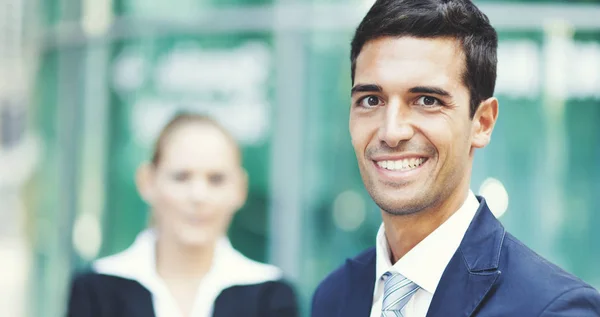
[
  {"x": 426, "y": 262},
  {"x": 229, "y": 267}
]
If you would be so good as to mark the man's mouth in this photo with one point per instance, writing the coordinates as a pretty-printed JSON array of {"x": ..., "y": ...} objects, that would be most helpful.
[{"x": 403, "y": 164}]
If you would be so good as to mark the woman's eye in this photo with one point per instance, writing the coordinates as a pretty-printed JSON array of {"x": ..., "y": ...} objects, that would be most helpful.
[
  {"x": 216, "y": 179},
  {"x": 181, "y": 176}
]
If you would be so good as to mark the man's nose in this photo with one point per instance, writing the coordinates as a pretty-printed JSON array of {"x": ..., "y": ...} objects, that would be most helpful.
[{"x": 397, "y": 124}]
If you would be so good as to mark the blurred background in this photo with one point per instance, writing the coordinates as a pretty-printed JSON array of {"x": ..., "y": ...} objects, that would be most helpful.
[{"x": 85, "y": 85}]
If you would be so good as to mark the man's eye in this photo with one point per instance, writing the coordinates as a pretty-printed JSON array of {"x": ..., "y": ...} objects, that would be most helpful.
[
  {"x": 370, "y": 102},
  {"x": 428, "y": 101}
]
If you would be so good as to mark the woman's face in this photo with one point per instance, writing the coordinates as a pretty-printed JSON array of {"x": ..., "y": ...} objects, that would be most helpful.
[{"x": 197, "y": 185}]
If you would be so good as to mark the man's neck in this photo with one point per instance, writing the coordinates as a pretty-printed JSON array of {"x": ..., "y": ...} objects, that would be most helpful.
[{"x": 403, "y": 233}]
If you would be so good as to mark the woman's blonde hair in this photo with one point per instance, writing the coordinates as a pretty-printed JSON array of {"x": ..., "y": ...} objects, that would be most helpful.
[{"x": 183, "y": 119}]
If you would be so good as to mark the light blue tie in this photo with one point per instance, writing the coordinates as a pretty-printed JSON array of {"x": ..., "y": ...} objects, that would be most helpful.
[{"x": 397, "y": 291}]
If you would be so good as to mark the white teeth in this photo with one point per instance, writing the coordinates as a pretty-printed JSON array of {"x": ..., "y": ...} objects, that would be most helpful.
[{"x": 402, "y": 165}]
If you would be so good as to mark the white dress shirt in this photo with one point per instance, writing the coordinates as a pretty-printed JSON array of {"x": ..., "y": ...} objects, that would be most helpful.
[
  {"x": 229, "y": 268},
  {"x": 425, "y": 263}
]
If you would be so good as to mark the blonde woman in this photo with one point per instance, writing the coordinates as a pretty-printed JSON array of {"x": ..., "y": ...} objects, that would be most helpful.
[{"x": 184, "y": 265}]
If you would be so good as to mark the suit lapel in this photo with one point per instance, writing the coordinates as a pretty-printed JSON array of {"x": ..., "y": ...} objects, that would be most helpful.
[
  {"x": 473, "y": 270},
  {"x": 460, "y": 291},
  {"x": 361, "y": 282}
]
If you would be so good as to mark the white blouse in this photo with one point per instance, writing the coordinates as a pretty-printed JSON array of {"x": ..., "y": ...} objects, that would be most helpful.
[{"x": 229, "y": 268}]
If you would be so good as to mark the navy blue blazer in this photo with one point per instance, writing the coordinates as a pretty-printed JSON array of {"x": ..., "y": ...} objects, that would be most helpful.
[
  {"x": 98, "y": 295},
  {"x": 491, "y": 274}
]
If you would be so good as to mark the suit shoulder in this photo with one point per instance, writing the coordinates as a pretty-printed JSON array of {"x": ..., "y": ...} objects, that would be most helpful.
[
  {"x": 581, "y": 301},
  {"x": 270, "y": 298},
  {"x": 328, "y": 292},
  {"x": 96, "y": 294},
  {"x": 337, "y": 277},
  {"x": 99, "y": 282},
  {"x": 332, "y": 280},
  {"x": 269, "y": 289},
  {"x": 542, "y": 277},
  {"x": 87, "y": 278},
  {"x": 281, "y": 288}
]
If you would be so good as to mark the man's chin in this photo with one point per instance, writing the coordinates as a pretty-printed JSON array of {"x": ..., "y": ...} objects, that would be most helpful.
[
  {"x": 400, "y": 206},
  {"x": 400, "y": 210}
]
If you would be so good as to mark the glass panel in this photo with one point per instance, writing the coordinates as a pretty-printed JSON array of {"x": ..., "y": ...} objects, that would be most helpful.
[
  {"x": 544, "y": 152},
  {"x": 153, "y": 79}
]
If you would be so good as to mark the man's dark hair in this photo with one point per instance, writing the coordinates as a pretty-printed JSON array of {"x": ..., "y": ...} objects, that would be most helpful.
[{"x": 459, "y": 19}]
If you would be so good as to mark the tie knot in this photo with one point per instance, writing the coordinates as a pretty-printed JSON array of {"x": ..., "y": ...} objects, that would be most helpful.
[{"x": 397, "y": 291}]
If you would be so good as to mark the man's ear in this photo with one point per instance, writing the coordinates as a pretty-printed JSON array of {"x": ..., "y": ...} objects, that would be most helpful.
[
  {"x": 144, "y": 177},
  {"x": 484, "y": 121}
]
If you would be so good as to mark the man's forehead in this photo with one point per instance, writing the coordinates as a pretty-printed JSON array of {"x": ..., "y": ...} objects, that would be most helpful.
[
  {"x": 412, "y": 47},
  {"x": 440, "y": 59}
]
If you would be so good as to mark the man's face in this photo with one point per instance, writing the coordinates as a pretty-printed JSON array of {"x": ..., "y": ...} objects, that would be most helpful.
[{"x": 410, "y": 123}]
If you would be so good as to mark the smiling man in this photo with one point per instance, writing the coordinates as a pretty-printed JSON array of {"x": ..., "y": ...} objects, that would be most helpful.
[{"x": 423, "y": 74}]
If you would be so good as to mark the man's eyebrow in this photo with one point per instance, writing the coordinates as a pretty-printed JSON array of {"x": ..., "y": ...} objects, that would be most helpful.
[
  {"x": 430, "y": 90},
  {"x": 365, "y": 88}
]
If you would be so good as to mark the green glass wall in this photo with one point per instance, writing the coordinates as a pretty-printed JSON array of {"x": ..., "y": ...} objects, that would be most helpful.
[{"x": 98, "y": 100}]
